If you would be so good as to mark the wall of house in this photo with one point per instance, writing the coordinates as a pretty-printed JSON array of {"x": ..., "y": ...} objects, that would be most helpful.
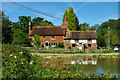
[
  {"x": 58, "y": 39},
  {"x": 84, "y": 42},
  {"x": 48, "y": 38}
]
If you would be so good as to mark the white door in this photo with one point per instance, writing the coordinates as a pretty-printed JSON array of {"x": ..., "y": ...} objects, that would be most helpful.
[{"x": 80, "y": 46}]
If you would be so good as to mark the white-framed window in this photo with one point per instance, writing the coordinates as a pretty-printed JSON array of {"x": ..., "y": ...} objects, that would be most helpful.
[
  {"x": 53, "y": 44},
  {"x": 85, "y": 41},
  {"x": 44, "y": 37},
  {"x": 72, "y": 41},
  {"x": 94, "y": 41},
  {"x": 52, "y": 37},
  {"x": 89, "y": 41}
]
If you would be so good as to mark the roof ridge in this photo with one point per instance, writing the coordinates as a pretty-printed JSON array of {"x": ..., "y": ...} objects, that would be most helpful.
[
  {"x": 45, "y": 26},
  {"x": 83, "y": 31}
]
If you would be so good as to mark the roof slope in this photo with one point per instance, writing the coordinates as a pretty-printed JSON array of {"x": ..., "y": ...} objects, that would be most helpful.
[
  {"x": 47, "y": 31},
  {"x": 81, "y": 35}
]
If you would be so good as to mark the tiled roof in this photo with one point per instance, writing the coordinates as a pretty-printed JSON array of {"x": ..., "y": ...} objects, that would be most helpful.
[
  {"x": 47, "y": 31},
  {"x": 81, "y": 35}
]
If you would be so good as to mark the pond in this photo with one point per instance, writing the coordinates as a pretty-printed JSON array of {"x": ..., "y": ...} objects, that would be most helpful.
[{"x": 85, "y": 64}]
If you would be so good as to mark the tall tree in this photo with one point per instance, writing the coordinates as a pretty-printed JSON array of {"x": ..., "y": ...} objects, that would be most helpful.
[
  {"x": 102, "y": 33},
  {"x": 71, "y": 19},
  {"x": 19, "y": 36},
  {"x": 65, "y": 14},
  {"x": 77, "y": 24},
  {"x": 24, "y": 23},
  {"x": 6, "y": 29}
]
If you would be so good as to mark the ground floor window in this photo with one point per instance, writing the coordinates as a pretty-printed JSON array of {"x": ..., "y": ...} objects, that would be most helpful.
[
  {"x": 73, "y": 45},
  {"x": 89, "y": 45},
  {"x": 53, "y": 44}
]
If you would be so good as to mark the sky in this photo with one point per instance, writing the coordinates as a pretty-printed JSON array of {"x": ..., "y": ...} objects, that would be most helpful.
[{"x": 89, "y": 12}]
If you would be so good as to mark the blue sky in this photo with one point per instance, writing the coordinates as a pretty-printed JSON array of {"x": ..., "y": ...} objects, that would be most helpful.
[{"x": 90, "y": 12}]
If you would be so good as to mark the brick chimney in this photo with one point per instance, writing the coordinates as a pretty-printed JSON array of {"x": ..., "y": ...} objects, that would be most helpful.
[
  {"x": 30, "y": 27},
  {"x": 65, "y": 24}
]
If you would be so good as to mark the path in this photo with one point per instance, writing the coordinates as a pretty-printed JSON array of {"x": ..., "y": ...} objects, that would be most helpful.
[{"x": 46, "y": 54}]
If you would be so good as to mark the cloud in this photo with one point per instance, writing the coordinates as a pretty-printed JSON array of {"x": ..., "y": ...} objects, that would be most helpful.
[{"x": 84, "y": 4}]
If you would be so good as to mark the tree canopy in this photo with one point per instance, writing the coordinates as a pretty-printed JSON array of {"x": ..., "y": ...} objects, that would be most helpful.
[
  {"x": 41, "y": 22},
  {"x": 6, "y": 29},
  {"x": 71, "y": 19},
  {"x": 17, "y": 32}
]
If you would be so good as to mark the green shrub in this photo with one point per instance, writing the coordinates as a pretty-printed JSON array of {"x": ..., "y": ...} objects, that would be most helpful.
[
  {"x": 15, "y": 62},
  {"x": 60, "y": 45},
  {"x": 94, "y": 56},
  {"x": 108, "y": 51},
  {"x": 69, "y": 47}
]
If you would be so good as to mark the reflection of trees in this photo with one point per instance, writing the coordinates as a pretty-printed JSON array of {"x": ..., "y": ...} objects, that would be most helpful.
[
  {"x": 108, "y": 64},
  {"x": 111, "y": 66},
  {"x": 88, "y": 68}
]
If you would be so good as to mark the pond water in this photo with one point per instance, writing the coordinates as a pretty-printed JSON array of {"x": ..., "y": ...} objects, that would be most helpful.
[{"x": 86, "y": 64}]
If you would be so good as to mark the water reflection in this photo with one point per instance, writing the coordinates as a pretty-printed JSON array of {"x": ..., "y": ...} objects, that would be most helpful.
[
  {"x": 85, "y": 61},
  {"x": 87, "y": 65}
]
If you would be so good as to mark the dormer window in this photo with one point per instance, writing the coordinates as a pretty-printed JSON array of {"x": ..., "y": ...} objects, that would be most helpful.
[{"x": 52, "y": 37}]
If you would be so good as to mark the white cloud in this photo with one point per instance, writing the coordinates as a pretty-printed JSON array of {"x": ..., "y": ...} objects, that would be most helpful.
[{"x": 80, "y": 7}]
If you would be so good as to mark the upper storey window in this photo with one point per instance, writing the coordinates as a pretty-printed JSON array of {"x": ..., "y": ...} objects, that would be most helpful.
[{"x": 52, "y": 37}]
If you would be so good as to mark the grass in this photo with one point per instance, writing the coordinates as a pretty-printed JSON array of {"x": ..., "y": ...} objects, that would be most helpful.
[
  {"x": 62, "y": 52},
  {"x": 69, "y": 52}
]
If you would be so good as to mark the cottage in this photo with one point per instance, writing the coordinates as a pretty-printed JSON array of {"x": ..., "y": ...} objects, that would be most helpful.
[
  {"x": 81, "y": 39},
  {"x": 52, "y": 35}
]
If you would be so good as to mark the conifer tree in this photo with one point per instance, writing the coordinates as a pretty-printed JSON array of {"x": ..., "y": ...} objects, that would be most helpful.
[
  {"x": 65, "y": 14},
  {"x": 71, "y": 19}
]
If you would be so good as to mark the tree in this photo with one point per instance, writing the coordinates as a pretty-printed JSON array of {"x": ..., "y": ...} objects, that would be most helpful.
[
  {"x": 65, "y": 14},
  {"x": 102, "y": 33},
  {"x": 84, "y": 26},
  {"x": 71, "y": 19},
  {"x": 24, "y": 23},
  {"x": 46, "y": 23},
  {"x": 95, "y": 27},
  {"x": 41, "y": 22},
  {"x": 37, "y": 21},
  {"x": 6, "y": 29},
  {"x": 20, "y": 38},
  {"x": 77, "y": 24},
  {"x": 37, "y": 41}
]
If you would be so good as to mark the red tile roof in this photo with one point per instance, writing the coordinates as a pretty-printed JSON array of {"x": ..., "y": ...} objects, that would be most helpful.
[{"x": 47, "y": 31}]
